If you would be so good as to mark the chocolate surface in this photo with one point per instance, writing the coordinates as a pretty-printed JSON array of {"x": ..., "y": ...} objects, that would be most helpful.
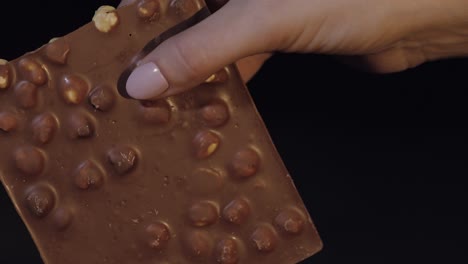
[{"x": 98, "y": 178}]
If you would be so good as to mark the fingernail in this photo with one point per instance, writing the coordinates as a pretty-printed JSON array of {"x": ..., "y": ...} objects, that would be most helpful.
[{"x": 146, "y": 82}]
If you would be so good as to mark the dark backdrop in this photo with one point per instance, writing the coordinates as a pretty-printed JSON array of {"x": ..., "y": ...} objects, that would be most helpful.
[{"x": 380, "y": 160}]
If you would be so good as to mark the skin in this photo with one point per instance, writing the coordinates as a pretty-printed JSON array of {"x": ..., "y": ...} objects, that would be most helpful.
[{"x": 374, "y": 35}]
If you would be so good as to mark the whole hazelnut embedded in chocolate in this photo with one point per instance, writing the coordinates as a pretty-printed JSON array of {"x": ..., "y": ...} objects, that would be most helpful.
[
  {"x": 215, "y": 114},
  {"x": 197, "y": 244},
  {"x": 88, "y": 175},
  {"x": 102, "y": 98},
  {"x": 62, "y": 218},
  {"x": 32, "y": 71},
  {"x": 73, "y": 89},
  {"x": 123, "y": 159},
  {"x": 148, "y": 9},
  {"x": 227, "y": 251},
  {"x": 237, "y": 211},
  {"x": 5, "y": 78},
  {"x": 40, "y": 201},
  {"x": 80, "y": 126},
  {"x": 203, "y": 214},
  {"x": 205, "y": 144},
  {"x": 264, "y": 238},
  {"x": 105, "y": 19},
  {"x": 26, "y": 94},
  {"x": 245, "y": 163},
  {"x": 43, "y": 128},
  {"x": 8, "y": 122},
  {"x": 57, "y": 50},
  {"x": 290, "y": 221},
  {"x": 29, "y": 160},
  {"x": 157, "y": 235}
]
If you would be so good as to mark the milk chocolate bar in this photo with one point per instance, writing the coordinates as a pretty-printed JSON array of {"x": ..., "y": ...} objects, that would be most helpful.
[{"x": 99, "y": 178}]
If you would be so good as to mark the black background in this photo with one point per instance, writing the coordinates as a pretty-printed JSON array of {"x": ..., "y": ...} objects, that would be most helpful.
[{"x": 380, "y": 160}]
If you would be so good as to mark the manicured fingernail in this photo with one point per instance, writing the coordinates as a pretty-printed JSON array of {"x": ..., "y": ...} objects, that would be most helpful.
[{"x": 146, "y": 82}]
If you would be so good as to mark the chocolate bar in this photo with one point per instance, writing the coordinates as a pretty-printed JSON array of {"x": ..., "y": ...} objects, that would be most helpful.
[{"x": 99, "y": 178}]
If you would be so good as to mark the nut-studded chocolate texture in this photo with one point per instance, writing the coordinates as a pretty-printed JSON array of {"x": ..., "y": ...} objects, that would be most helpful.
[{"x": 99, "y": 178}]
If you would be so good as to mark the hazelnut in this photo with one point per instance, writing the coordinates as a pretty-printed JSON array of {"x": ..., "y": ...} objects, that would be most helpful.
[
  {"x": 203, "y": 214},
  {"x": 102, "y": 98},
  {"x": 123, "y": 159},
  {"x": 80, "y": 126},
  {"x": 197, "y": 244},
  {"x": 4, "y": 75},
  {"x": 264, "y": 239},
  {"x": 105, "y": 19},
  {"x": 40, "y": 201},
  {"x": 88, "y": 175},
  {"x": 32, "y": 71},
  {"x": 227, "y": 251},
  {"x": 57, "y": 50},
  {"x": 237, "y": 211},
  {"x": 245, "y": 163},
  {"x": 205, "y": 144},
  {"x": 290, "y": 222},
  {"x": 8, "y": 122},
  {"x": 148, "y": 9},
  {"x": 26, "y": 94},
  {"x": 29, "y": 160},
  {"x": 157, "y": 235},
  {"x": 73, "y": 89},
  {"x": 215, "y": 114},
  {"x": 43, "y": 128},
  {"x": 62, "y": 218}
]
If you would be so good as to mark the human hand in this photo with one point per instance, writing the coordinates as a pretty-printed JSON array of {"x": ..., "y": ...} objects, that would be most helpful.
[
  {"x": 248, "y": 66},
  {"x": 379, "y": 35}
]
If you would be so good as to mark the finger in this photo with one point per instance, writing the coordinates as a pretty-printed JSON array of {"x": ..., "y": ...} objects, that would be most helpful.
[
  {"x": 187, "y": 59},
  {"x": 249, "y": 66}
]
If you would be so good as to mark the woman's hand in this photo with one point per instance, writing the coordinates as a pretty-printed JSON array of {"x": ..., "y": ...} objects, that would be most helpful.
[{"x": 378, "y": 35}]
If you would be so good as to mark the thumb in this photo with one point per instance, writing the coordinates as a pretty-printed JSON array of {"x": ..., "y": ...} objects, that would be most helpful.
[{"x": 190, "y": 57}]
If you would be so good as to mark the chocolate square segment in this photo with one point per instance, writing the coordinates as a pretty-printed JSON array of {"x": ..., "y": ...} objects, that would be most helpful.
[{"x": 99, "y": 178}]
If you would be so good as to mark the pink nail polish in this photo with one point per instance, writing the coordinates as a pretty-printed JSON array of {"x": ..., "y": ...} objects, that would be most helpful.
[{"x": 146, "y": 82}]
